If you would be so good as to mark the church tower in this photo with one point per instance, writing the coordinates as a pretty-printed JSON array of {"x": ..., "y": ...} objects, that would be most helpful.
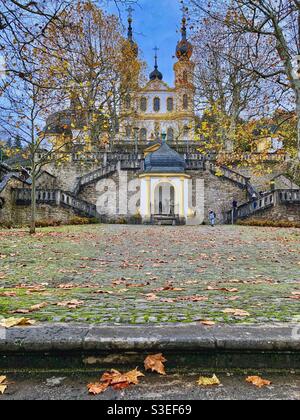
[{"x": 184, "y": 73}]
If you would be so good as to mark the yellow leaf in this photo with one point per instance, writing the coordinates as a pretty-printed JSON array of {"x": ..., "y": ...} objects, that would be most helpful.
[
  {"x": 214, "y": 381},
  {"x": 3, "y": 386},
  {"x": 14, "y": 322}
]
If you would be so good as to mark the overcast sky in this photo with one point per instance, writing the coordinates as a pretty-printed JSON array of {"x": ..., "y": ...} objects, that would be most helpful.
[{"x": 157, "y": 22}]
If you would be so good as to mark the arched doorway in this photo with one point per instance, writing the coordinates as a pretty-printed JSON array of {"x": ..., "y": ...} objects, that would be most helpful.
[{"x": 165, "y": 199}]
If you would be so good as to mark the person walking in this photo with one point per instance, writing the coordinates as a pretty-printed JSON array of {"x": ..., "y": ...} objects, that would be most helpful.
[{"x": 212, "y": 218}]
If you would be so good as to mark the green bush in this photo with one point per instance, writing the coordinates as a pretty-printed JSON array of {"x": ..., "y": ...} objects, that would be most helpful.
[{"x": 269, "y": 223}]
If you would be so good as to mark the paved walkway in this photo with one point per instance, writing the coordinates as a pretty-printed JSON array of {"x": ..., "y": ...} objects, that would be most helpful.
[
  {"x": 175, "y": 386},
  {"x": 142, "y": 275}
]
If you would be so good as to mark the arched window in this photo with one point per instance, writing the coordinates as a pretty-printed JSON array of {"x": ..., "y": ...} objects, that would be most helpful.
[
  {"x": 185, "y": 102},
  {"x": 156, "y": 104},
  {"x": 170, "y": 104},
  {"x": 128, "y": 102},
  {"x": 128, "y": 132},
  {"x": 170, "y": 134},
  {"x": 185, "y": 76},
  {"x": 143, "y": 104},
  {"x": 143, "y": 134},
  {"x": 186, "y": 132}
]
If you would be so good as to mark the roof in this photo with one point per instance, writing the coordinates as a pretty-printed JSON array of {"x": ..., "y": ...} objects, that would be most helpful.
[{"x": 165, "y": 160}]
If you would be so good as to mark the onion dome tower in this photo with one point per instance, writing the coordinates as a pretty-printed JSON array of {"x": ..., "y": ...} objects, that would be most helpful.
[
  {"x": 184, "y": 49},
  {"x": 184, "y": 71},
  {"x": 134, "y": 45},
  {"x": 156, "y": 74}
]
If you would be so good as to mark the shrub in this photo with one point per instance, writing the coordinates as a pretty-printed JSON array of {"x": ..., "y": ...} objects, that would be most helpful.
[
  {"x": 269, "y": 223},
  {"x": 79, "y": 221},
  {"x": 48, "y": 223},
  {"x": 6, "y": 225}
]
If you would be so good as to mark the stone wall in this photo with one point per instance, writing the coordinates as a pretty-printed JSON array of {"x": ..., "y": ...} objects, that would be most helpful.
[
  {"x": 68, "y": 173},
  {"x": 44, "y": 213},
  {"x": 7, "y": 211},
  {"x": 281, "y": 212}
]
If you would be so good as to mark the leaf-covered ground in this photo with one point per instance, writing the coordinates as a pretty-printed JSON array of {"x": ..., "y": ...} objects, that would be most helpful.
[{"x": 138, "y": 275}]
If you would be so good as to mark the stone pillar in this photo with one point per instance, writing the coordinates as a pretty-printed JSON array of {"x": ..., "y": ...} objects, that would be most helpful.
[{"x": 182, "y": 198}]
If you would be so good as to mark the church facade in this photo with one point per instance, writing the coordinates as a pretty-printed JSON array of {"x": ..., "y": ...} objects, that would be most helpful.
[{"x": 154, "y": 174}]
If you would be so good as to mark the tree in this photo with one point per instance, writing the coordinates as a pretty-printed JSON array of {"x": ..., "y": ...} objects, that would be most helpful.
[
  {"x": 88, "y": 61},
  {"x": 224, "y": 87},
  {"x": 274, "y": 27},
  {"x": 81, "y": 57}
]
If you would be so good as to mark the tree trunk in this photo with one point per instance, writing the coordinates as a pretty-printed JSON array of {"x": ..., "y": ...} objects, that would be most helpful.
[
  {"x": 33, "y": 206},
  {"x": 297, "y": 90}
]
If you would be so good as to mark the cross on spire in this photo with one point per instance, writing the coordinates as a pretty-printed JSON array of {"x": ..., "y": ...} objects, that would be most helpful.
[
  {"x": 130, "y": 11},
  {"x": 156, "y": 49},
  {"x": 183, "y": 9}
]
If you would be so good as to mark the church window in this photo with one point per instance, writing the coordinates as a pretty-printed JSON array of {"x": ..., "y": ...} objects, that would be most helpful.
[
  {"x": 156, "y": 104},
  {"x": 186, "y": 132},
  {"x": 143, "y": 134},
  {"x": 185, "y": 102},
  {"x": 128, "y": 132},
  {"x": 170, "y": 134},
  {"x": 143, "y": 104},
  {"x": 128, "y": 102},
  {"x": 170, "y": 104}
]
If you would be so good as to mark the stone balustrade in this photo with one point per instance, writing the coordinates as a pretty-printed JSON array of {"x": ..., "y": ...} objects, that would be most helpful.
[
  {"x": 22, "y": 196},
  {"x": 289, "y": 196},
  {"x": 262, "y": 203}
]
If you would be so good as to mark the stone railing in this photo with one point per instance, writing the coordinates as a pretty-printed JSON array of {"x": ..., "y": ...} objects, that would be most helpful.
[
  {"x": 79, "y": 206},
  {"x": 22, "y": 196},
  {"x": 263, "y": 202},
  {"x": 289, "y": 196},
  {"x": 194, "y": 165},
  {"x": 239, "y": 179},
  {"x": 94, "y": 176}
]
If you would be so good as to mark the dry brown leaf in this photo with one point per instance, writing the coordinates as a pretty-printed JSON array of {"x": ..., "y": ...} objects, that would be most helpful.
[
  {"x": 97, "y": 388},
  {"x": 236, "y": 312},
  {"x": 151, "y": 297},
  {"x": 258, "y": 381},
  {"x": 16, "y": 322},
  {"x": 208, "y": 323},
  {"x": 38, "y": 306},
  {"x": 20, "y": 311},
  {"x": 214, "y": 381},
  {"x": 8, "y": 294},
  {"x": 133, "y": 376},
  {"x": 66, "y": 286},
  {"x": 71, "y": 304},
  {"x": 155, "y": 363}
]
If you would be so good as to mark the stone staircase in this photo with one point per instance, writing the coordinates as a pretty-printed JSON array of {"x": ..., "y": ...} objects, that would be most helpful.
[
  {"x": 95, "y": 176},
  {"x": 264, "y": 202},
  {"x": 22, "y": 196},
  {"x": 165, "y": 220},
  {"x": 238, "y": 179}
]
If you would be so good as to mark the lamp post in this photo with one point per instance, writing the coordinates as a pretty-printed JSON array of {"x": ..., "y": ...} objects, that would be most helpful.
[{"x": 296, "y": 78}]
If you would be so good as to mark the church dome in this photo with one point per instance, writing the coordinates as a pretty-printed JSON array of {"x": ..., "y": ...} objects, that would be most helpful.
[
  {"x": 184, "y": 47},
  {"x": 165, "y": 160},
  {"x": 156, "y": 74}
]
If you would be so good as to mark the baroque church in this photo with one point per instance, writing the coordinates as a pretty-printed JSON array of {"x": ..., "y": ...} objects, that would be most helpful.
[{"x": 155, "y": 173}]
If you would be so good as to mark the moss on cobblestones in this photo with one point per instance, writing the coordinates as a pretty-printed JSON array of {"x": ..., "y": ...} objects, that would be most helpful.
[{"x": 114, "y": 269}]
